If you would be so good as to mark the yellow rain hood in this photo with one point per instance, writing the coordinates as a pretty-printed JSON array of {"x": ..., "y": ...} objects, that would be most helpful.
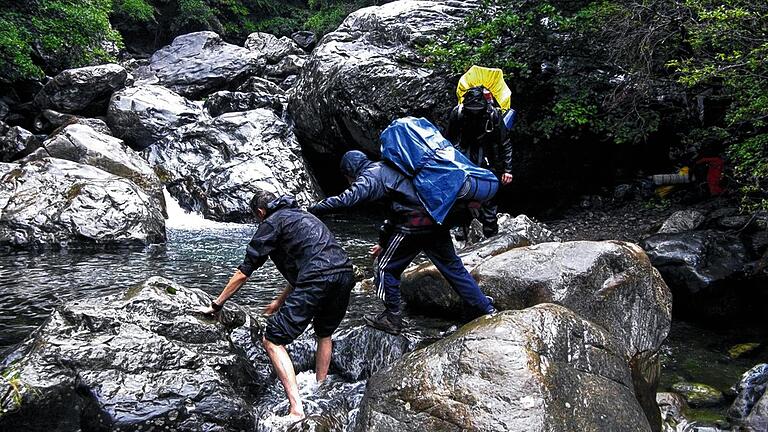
[{"x": 490, "y": 78}]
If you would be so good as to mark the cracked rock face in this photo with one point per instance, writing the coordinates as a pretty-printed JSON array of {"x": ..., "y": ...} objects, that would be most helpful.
[
  {"x": 15, "y": 142},
  {"x": 369, "y": 72},
  {"x": 215, "y": 166},
  {"x": 538, "y": 369},
  {"x": 77, "y": 89},
  {"x": 270, "y": 47},
  {"x": 197, "y": 64},
  {"x": 133, "y": 361},
  {"x": 82, "y": 144},
  {"x": 54, "y": 203},
  {"x": 750, "y": 409},
  {"x": 145, "y": 114},
  {"x": 225, "y": 101}
]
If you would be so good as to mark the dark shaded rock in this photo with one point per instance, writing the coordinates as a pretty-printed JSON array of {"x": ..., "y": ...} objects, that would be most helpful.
[
  {"x": 539, "y": 369},
  {"x": 15, "y": 142},
  {"x": 145, "y": 114},
  {"x": 77, "y": 89},
  {"x": 200, "y": 63},
  {"x": 673, "y": 407},
  {"x": 289, "y": 82},
  {"x": 369, "y": 71},
  {"x": 54, "y": 203},
  {"x": 305, "y": 39},
  {"x": 425, "y": 290},
  {"x": 57, "y": 120},
  {"x": 134, "y": 361},
  {"x": 270, "y": 47},
  {"x": 698, "y": 395},
  {"x": 225, "y": 101},
  {"x": 733, "y": 222},
  {"x": 82, "y": 144},
  {"x": 682, "y": 221},
  {"x": 214, "y": 166},
  {"x": 288, "y": 65},
  {"x": 750, "y": 409},
  {"x": 260, "y": 85}
]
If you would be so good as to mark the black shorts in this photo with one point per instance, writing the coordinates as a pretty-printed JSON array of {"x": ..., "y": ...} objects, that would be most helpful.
[{"x": 322, "y": 302}]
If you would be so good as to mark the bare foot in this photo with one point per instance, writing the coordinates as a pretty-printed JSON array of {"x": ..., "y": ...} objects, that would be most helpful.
[{"x": 295, "y": 416}]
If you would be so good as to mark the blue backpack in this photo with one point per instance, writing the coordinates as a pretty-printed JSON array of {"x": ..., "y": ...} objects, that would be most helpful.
[{"x": 441, "y": 174}]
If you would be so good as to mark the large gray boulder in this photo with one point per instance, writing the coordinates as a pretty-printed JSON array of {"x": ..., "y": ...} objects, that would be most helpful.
[
  {"x": 54, "y": 203},
  {"x": 197, "y": 64},
  {"x": 82, "y": 144},
  {"x": 145, "y": 114},
  {"x": 15, "y": 142},
  {"x": 682, "y": 221},
  {"x": 425, "y": 289},
  {"x": 750, "y": 408},
  {"x": 287, "y": 66},
  {"x": 369, "y": 72},
  {"x": 58, "y": 120},
  {"x": 270, "y": 47},
  {"x": 134, "y": 361},
  {"x": 539, "y": 369},
  {"x": 77, "y": 89},
  {"x": 214, "y": 166},
  {"x": 225, "y": 101}
]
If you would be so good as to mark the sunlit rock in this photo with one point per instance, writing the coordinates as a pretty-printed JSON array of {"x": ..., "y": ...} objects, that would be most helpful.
[{"x": 77, "y": 89}]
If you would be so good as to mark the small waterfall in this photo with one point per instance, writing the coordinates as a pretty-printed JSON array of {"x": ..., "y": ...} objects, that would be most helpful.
[{"x": 178, "y": 218}]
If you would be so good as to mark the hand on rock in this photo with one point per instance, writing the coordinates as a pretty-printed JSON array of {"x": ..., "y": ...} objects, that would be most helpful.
[{"x": 207, "y": 311}]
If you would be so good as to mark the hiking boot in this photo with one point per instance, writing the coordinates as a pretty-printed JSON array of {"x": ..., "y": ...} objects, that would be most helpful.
[{"x": 385, "y": 321}]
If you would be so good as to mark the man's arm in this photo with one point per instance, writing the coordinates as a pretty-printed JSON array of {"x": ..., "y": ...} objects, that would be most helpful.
[
  {"x": 506, "y": 145},
  {"x": 276, "y": 303},
  {"x": 364, "y": 189},
  {"x": 453, "y": 131}
]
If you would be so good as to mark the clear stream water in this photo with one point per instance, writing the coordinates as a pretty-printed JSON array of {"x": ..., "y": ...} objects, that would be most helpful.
[{"x": 204, "y": 254}]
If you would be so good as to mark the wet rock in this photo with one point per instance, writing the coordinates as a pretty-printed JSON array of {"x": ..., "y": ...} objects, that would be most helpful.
[
  {"x": 270, "y": 47},
  {"x": 196, "y": 64},
  {"x": 58, "y": 120},
  {"x": 709, "y": 274},
  {"x": 733, "y": 222},
  {"x": 369, "y": 71},
  {"x": 305, "y": 39},
  {"x": 15, "y": 142},
  {"x": 82, "y": 144},
  {"x": 4, "y": 110},
  {"x": 682, "y": 221},
  {"x": 289, "y": 82},
  {"x": 673, "y": 407},
  {"x": 134, "y": 361},
  {"x": 214, "y": 166},
  {"x": 743, "y": 350},
  {"x": 77, "y": 89},
  {"x": 145, "y": 114},
  {"x": 260, "y": 85},
  {"x": 225, "y": 101},
  {"x": 750, "y": 409},
  {"x": 539, "y": 369},
  {"x": 425, "y": 290},
  {"x": 698, "y": 395},
  {"x": 54, "y": 203},
  {"x": 289, "y": 65}
]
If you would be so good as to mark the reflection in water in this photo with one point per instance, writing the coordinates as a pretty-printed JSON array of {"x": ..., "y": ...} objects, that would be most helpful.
[{"x": 31, "y": 285}]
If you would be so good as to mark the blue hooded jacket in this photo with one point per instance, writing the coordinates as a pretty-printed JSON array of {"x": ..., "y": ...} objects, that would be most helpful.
[{"x": 377, "y": 181}]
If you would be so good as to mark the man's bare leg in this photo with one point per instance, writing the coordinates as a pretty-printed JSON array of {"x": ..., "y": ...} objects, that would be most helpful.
[
  {"x": 323, "y": 357},
  {"x": 281, "y": 361}
]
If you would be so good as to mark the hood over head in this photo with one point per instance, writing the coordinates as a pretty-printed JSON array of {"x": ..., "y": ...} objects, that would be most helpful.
[
  {"x": 281, "y": 202},
  {"x": 354, "y": 162}
]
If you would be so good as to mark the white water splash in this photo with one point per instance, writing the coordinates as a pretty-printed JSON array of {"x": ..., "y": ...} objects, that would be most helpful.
[{"x": 178, "y": 218}]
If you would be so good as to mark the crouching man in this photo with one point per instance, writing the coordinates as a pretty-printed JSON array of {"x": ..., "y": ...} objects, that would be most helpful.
[{"x": 320, "y": 279}]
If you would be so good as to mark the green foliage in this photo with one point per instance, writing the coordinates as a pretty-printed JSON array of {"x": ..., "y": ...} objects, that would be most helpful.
[
  {"x": 326, "y": 20},
  {"x": 54, "y": 34},
  {"x": 136, "y": 10}
]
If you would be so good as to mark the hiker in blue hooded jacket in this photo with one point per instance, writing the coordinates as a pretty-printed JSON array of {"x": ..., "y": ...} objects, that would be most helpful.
[{"x": 408, "y": 231}]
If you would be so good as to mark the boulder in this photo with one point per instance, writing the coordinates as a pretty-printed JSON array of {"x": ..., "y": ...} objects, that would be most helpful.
[
  {"x": 426, "y": 291},
  {"x": 82, "y": 144},
  {"x": 270, "y": 47},
  {"x": 750, "y": 408},
  {"x": 57, "y": 120},
  {"x": 214, "y": 166},
  {"x": 134, "y": 361},
  {"x": 77, "y": 89},
  {"x": 260, "y": 85},
  {"x": 145, "y": 114},
  {"x": 289, "y": 82},
  {"x": 15, "y": 142},
  {"x": 370, "y": 71},
  {"x": 305, "y": 39},
  {"x": 539, "y": 369},
  {"x": 698, "y": 395},
  {"x": 673, "y": 408},
  {"x": 197, "y": 64},
  {"x": 288, "y": 65},
  {"x": 54, "y": 203},
  {"x": 682, "y": 221},
  {"x": 226, "y": 101}
]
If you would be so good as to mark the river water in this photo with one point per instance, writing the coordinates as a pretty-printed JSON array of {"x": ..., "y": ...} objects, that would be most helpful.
[{"x": 204, "y": 254}]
